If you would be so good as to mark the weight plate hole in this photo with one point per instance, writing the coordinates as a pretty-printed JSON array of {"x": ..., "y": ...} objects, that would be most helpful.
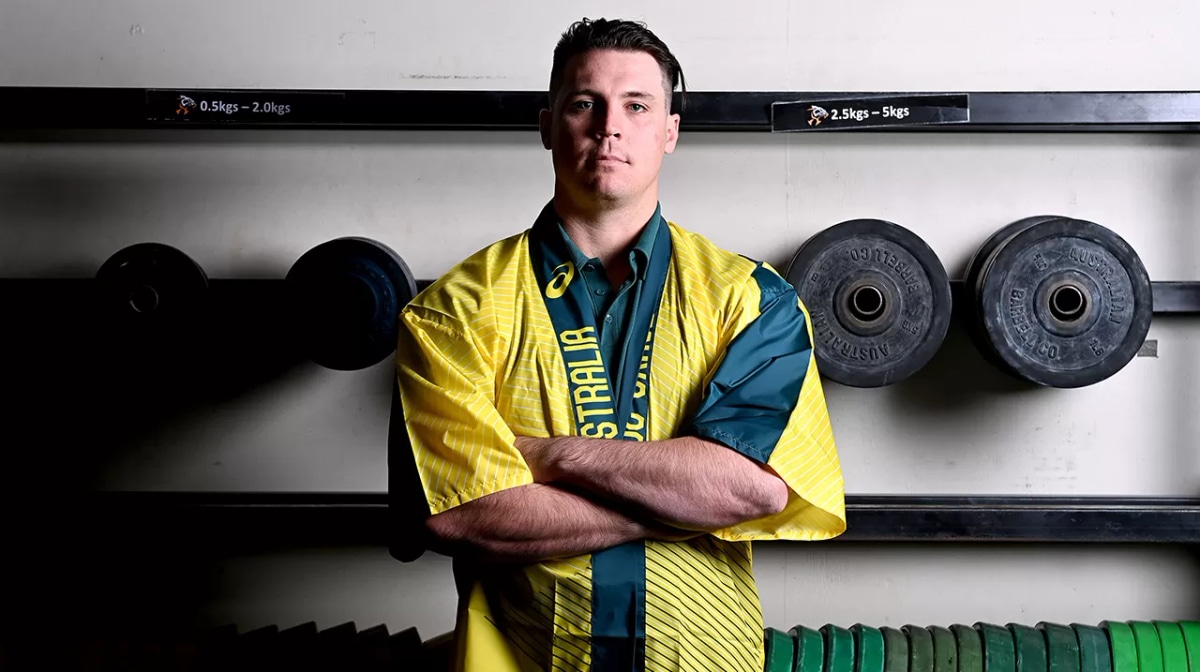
[
  {"x": 866, "y": 303},
  {"x": 143, "y": 299},
  {"x": 1068, "y": 303}
]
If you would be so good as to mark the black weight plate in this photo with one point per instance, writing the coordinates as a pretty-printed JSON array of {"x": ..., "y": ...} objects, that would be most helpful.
[
  {"x": 868, "y": 645},
  {"x": 945, "y": 649},
  {"x": 810, "y": 649},
  {"x": 895, "y": 650},
  {"x": 1174, "y": 649},
  {"x": 839, "y": 649},
  {"x": 297, "y": 647},
  {"x": 970, "y": 648},
  {"x": 878, "y": 297},
  {"x": 1065, "y": 303},
  {"x": 974, "y": 272},
  {"x": 1030, "y": 645},
  {"x": 185, "y": 652},
  {"x": 218, "y": 647},
  {"x": 374, "y": 652},
  {"x": 346, "y": 295},
  {"x": 407, "y": 649},
  {"x": 257, "y": 648},
  {"x": 336, "y": 645},
  {"x": 1149, "y": 646},
  {"x": 981, "y": 256},
  {"x": 999, "y": 652},
  {"x": 920, "y": 648},
  {"x": 150, "y": 284},
  {"x": 1095, "y": 653},
  {"x": 1062, "y": 647},
  {"x": 778, "y": 649}
]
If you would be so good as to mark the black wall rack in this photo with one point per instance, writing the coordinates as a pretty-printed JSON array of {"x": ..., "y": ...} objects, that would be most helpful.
[
  {"x": 730, "y": 111},
  {"x": 362, "y": 517},
  {"x": 314, "y": 517}
]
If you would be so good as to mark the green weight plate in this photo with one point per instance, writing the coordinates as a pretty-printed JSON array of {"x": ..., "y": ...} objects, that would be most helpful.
[
  {"x": 999, "y": 652},
  {"x": 839, "y": 649},
  {"x": 778, "y": 649},
  {"x": 1124, "y": 648},
  {"x": 1030, "y": 646},
  {"x": 1174, "y": 650},
  {"x": 895, "y": 650},
  {"x": 920, "y": 649},
  {"x": 810, "y": 650},
  {"x": 1149, "y": 647},
  {"x": 868, "y": 644},
  {"x": 1095, "y": 653},
  {"x": 1191, "y": 639},
  {"x": 1062, "y": 647},
  {"x": 945, "y": 649},
  {"x": 970, "y": 648}
]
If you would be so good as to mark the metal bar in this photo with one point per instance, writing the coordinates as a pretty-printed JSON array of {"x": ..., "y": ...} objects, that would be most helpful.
[
  {"x": 737, "y": 111},
  {"x": 1024, "y": 519},
  {"x": 1170, "y": 297},
  {"x": 363, "y": 517},
  {"x": 1176, "y": 297}
]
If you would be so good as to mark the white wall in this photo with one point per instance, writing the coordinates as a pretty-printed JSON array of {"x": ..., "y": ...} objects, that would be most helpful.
[{"x": 247, "y": 204}]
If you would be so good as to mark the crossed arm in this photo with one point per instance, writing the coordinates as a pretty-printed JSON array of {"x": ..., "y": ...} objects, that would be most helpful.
[{"x": 591, "y": 494}]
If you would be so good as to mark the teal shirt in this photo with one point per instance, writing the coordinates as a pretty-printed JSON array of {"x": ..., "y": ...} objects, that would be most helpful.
[{"x": 615, "y": 307}]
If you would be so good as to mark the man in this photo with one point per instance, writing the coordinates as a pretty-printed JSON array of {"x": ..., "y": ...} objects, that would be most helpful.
[{"x": 602, "y": 411}]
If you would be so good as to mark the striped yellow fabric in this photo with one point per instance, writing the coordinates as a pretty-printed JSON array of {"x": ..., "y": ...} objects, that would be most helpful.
[
  {"x": 478, "y": 364},
  {"x": 806, "y": 458},
  {"x": 702, "y": 607}
]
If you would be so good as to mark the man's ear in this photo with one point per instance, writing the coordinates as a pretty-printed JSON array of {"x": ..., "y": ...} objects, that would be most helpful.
[
  {"x": 672, "y": 133},
  {"x": 544, "y": 122}
]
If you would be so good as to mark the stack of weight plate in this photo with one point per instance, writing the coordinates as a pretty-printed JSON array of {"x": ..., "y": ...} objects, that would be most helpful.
[{"x": 1112, "y": 646}]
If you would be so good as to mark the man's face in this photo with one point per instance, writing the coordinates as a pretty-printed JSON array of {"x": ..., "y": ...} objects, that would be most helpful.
[{"x": 610, "y": 126}]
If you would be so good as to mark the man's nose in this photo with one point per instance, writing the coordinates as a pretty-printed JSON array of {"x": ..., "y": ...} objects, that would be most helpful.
[{"x": 607, "y": 122}]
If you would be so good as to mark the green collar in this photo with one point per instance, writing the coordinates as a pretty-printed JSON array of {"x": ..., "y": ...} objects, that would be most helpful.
[{"x": 639, "y": 256}]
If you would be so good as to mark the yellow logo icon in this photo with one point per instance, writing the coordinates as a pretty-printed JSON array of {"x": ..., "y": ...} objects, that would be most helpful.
[{"x": 563, "y": 274}]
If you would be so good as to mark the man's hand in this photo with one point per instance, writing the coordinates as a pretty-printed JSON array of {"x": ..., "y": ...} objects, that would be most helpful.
[{"x": 686, "y": 483}]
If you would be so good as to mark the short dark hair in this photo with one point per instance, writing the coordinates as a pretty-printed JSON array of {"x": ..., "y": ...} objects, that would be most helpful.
[{"x": 587, "y": 35}]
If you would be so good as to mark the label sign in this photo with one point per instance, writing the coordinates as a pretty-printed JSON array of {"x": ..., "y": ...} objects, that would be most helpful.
[
  {"x": 209, "y": 106},
  {"x": 873, "y": 112}
]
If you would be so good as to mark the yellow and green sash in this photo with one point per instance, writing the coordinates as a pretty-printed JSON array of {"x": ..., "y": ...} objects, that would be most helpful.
[{"x": 605, "y": 411}]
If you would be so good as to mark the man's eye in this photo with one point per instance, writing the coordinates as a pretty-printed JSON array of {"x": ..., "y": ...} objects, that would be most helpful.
[
  {"x": 637, "y": 107},
  {"x": 581, "y": 105}
]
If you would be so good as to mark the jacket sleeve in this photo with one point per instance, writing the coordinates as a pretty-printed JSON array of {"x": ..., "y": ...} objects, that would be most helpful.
[
  {"x": 764, "y": 399},
  {"x": 461, "y": 449}
]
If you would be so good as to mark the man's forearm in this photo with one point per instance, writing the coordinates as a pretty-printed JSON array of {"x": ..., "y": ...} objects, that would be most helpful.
[
  {"x": 535, "y": 522},
  {"x": 686, "y": 482}
]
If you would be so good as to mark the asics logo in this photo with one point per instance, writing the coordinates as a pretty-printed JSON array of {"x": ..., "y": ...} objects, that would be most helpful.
[{"x": 563, "y": 274}]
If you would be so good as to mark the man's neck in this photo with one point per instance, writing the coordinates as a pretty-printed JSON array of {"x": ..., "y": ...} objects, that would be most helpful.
[{"x": 607, "y": 233}]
